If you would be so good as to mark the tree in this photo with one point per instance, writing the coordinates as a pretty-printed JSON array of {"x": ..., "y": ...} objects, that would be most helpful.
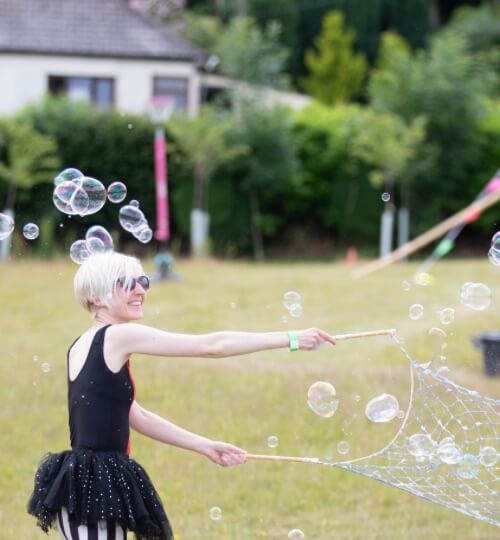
[
  {"x": 253, "y": 55},
  {"x": 26, "y": 157},
  {"x": 336, "y": 72},
  {"x": 448, "y": 88},
  {"x": 204, "y": 144}
]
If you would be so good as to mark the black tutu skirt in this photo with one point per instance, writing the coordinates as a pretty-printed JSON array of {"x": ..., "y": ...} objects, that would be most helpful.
[{"x": 97, "y": 486}]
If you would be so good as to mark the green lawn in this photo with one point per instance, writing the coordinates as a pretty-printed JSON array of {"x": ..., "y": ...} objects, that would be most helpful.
[{"x": 244, "y": 400}]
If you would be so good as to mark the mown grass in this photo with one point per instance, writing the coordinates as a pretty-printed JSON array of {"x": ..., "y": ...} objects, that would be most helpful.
[{"x": 245, "y": 399}]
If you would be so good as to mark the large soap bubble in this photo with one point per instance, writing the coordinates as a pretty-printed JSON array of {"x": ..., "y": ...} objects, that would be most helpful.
[
  {"x": 96, "y": 193},
  {"x": 476, "y": 296},
  {"x": 70, "y": 198},
  {"x": 421, "y": 445},
  {"x": 117, "y": 191},
  {"x": 6, "y": 226},
  {"x": 382, "y": 408},
  {"x": 99, "y": 232},
  {"x": 321, "y": 398},
  {"x": 68, "y": 175},
  {"x": 79, "y": 251},
  {"x": 130, "y": 217}
]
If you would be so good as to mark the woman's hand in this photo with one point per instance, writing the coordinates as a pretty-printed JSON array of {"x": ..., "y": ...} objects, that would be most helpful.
[
  {"x": 313, "y": 338},
  {"x": 223, "y": 454}
]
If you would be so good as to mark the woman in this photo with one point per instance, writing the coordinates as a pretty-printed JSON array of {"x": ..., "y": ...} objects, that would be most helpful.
[{"x": 95, "y": 490}]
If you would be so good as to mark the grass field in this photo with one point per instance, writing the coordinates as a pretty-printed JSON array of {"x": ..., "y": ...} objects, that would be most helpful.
[{"x": 244, "y": 400}]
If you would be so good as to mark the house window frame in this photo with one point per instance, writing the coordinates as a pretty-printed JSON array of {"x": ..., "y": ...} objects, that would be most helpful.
[
  {"x": 93, "y": 86},
  {"x": 186, "y": 94}
]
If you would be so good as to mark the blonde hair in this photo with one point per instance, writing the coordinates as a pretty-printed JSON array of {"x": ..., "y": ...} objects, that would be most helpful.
[{"x": 96, "y": 278}]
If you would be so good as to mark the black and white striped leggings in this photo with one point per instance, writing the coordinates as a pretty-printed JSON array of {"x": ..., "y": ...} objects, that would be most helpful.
[{"x": 69, "y": 530}]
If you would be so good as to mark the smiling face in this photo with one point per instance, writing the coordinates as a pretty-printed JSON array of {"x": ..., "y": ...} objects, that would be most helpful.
[{"x": 128, "y": 298}]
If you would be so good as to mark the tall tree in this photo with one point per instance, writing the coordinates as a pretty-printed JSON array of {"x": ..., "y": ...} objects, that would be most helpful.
[{"x": 336, "y": 72}]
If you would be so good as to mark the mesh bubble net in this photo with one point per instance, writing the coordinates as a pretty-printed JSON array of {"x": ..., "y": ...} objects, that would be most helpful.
[{"x": 440, "y": 408}]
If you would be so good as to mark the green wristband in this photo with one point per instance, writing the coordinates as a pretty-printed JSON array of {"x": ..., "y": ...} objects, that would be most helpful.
[{"x": 294, "y": 341}]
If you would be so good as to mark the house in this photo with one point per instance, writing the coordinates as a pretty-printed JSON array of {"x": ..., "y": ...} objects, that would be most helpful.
[{"x": 100, "y": 51}]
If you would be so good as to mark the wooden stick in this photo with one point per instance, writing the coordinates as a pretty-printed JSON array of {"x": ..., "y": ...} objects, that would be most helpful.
[
  {"x": 428, "y": 236},
  {"x": 268, "y": 457},
  {"x": 388, "y": 331}
]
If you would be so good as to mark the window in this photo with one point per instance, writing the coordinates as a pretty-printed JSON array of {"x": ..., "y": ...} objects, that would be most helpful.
[
  {"x": 94, "y": 90},
  {"x": 174, "y": 88}
]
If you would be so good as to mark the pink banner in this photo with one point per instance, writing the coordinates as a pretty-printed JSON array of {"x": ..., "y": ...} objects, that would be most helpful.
[{"x": 162, "y": 218}]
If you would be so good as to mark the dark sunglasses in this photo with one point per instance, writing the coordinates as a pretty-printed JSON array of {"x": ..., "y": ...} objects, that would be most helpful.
[{"x": 130, "y": 284}]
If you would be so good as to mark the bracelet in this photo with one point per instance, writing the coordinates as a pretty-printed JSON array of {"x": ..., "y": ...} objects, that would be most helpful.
[{"x": 294, "y": 341}]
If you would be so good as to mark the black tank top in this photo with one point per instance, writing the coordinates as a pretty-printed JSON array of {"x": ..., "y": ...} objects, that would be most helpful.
[{"x": 99, "y": 402}]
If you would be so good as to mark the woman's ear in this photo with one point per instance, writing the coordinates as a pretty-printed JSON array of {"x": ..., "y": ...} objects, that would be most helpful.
[{"x": 97, "y": 302}]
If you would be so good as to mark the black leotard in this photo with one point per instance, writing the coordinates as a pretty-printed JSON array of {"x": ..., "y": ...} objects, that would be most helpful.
[{"x": 99, "y": 402}]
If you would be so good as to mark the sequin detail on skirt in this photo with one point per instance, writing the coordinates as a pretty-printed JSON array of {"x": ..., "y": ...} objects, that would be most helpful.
[{"x": 96, "y": 486}]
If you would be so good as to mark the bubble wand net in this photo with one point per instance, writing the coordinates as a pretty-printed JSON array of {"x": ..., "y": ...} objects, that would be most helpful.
[{"x": 447, "y": 414}]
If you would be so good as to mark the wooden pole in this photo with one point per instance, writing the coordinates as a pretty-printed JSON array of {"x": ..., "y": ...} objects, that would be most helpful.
[
  {"x": 430, "y": 235},
  {"x": 266, "y": 457},
  {"x": 389, "y": 331}
]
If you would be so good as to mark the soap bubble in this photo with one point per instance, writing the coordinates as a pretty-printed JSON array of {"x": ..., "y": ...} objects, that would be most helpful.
[
  {"x": 423, "y": 279},
  {"x": 343, "y": 447},
  {"x": 476, "y": 296},
  {"x": 291, "y": 300},
  {"x": 296, "y": 534},
  {"x": 494, "y": 252},
  {"x": 134, "y": 203},
  {"x": 382, "y": 408},
  {"x": 145, "y": 235},
  {"x": 99, "y": 232},
  {"x": 321, "y": 398},
  {"x": 130, "y": 217},
  {"x": 272, "y": 441},
  {"x": 296, "y": 311},
  {"x": 488, "y": 456},
  {"x": 215, "y": 513},
  {"x": 71, "y": 198},
  {"x": 386, "y": 197},
  {"x": 95, "y": 246},
  {"x": 447, "y": 315},
  {"x": 421, "y": 445},
  {"x": 6, "y": 226},
  {"x": 79, "y": 251},
  {"x": 449, "y": 453},
  {"x": 416, "y": 312},
  {"x": 31, "y": 231},
  {"x": 68, "y": 175},
  {"x": 45, "y": 367},
  {"x": 96, "y": 193},
  {"x": 405, "y": 285},
  {"x": 401, "y": 414},
  {"x": 117, "y": 191},
  {"x": 468, "y": 468},
  {"x": 437, "y": 333}
]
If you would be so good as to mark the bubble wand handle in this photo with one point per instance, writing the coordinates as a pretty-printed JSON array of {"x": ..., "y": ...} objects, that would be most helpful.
[
  {"x": 386, "y": 332},
  {"x": 268, "y": 457}
]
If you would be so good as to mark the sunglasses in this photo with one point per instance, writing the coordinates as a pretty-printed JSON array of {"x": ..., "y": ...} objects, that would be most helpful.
[{"x": 129, "y": 284}]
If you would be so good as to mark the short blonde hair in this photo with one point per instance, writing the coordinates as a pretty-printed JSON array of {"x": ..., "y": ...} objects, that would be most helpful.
[{"x": 96, "y": 278}]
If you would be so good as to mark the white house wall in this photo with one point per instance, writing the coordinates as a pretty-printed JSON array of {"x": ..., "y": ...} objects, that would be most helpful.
[{"x": 24, "y": 79}]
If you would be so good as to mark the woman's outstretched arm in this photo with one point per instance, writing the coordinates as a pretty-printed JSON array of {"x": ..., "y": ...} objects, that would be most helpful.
[
  {"x": 133, "y": 338},
  {"x": 155, "y": 427}
]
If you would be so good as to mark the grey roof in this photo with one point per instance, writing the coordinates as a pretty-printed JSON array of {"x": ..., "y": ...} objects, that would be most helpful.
[{"x": 90, "y": 28}]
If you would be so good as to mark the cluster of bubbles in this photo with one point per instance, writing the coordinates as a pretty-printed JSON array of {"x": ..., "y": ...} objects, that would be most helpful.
[
  {"x": 293, "y": 303},
  {"x": 30, "y": 230},
  {"x": 322, "y": 399},
  {"x": 132, "y": 219},
  {"x": 97, "y": 240},
  {"x": 494, "y": 252},
  {"x": 476, "y": 296},
  {"x": 76, "y": 194},
  {"x": 424, "y": 448}
]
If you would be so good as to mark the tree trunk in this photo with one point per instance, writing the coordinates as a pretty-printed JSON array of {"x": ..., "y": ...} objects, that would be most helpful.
[
  {"x": 11, "y": 196},
  {"x": 433, "y": 14},
  {"x": 257, "y": 242}
]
